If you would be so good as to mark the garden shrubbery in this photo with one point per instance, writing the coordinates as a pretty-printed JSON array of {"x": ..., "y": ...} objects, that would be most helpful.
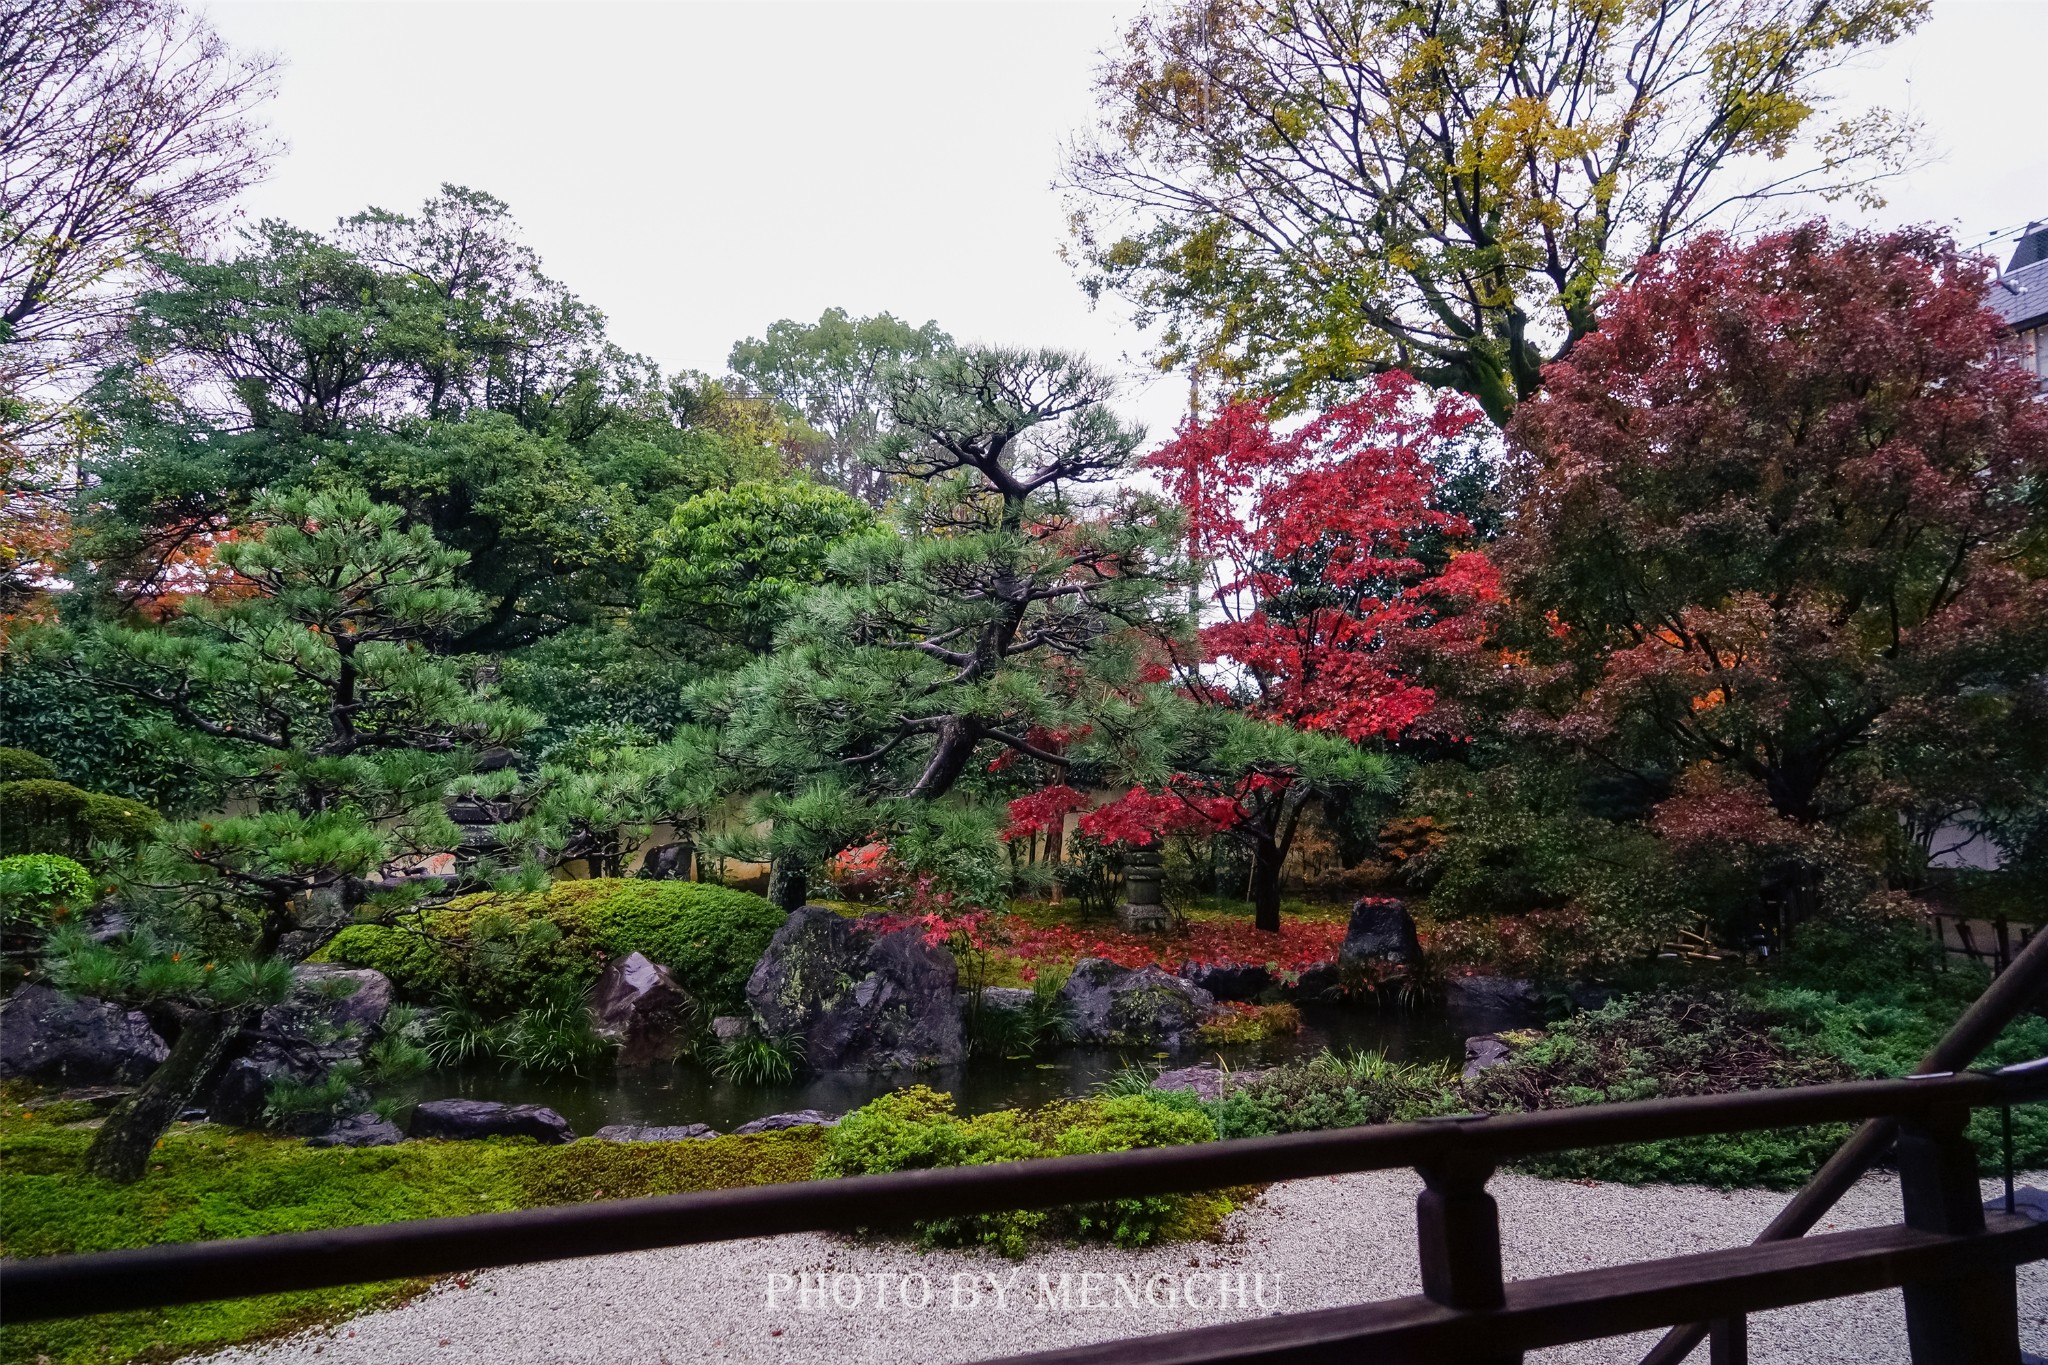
[
  {"x": 501, "y": 952},
  {"x": 918, "y": 1129},
  {"x": 43, "y": 815},
  {"x": 1333, "y": 1090}
]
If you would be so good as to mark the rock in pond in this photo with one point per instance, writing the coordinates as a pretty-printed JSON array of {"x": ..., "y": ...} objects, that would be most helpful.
[
  {"x": 730, "y": 1028},
  {"x": 46, "y": 1035},
  {"x": 1380, "y": 936},
  {"x": 1133, "y": 1006},
  {"x": 643, "y": 1132},
  {"x": 1319, "y": 983},
  {"x": 1228, "y": 980},
  {"x": 638, "y": 1005},
  {"x": 1484, "y": 1051},
  {"x": 858, "y": 998},
  {"x": 485, "y": 1118},
  {"x": 1507, "y": 997},
  {"x": 330, "y": 1017},
  {"x": 1208, "y": 1082},
  {"x": 363, "y": 1130},
  {"x": 1005, "y": 997},
  {"x": 796, "y": 1118}
]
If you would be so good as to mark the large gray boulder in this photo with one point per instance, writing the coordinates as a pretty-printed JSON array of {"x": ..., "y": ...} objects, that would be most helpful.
[
  {"x": 857, "y": 998},
  {"x": 1229, "y": 980},
  {"x": 639, "y": 1005},
  {"x": 46, "y": 1035},
  {"x": 1133, "y": 1006},
  {"x": 1380, "y": 937},
  {"x": 485, "y": 1118},
  {"x": 331, "y": 1017}
]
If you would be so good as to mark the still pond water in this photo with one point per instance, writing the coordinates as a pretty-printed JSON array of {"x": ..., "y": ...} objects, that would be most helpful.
[{"x": 686, "y": 1093}]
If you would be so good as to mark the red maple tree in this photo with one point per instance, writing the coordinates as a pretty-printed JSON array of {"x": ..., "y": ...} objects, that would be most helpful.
[
  {"x": 1313, "y": 542},
  {"x": 1780, "y": 518}
]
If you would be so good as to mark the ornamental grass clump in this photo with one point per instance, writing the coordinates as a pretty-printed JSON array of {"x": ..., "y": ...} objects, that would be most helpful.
[{"x": 1333, "y": 1090}]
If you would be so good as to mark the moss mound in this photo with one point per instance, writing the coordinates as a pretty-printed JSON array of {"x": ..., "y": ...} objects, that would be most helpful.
[{"x": 505, "y": 951}]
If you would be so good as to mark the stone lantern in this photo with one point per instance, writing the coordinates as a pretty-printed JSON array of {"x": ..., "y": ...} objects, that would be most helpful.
[{"x": 1143, "y": 911}]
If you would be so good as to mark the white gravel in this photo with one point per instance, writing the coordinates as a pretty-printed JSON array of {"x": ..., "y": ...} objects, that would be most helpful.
[{"x": 1309, "y": 1244}]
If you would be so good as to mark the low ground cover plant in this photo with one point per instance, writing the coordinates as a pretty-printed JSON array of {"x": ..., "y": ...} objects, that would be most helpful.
[{"x": 918, "y": 1129}]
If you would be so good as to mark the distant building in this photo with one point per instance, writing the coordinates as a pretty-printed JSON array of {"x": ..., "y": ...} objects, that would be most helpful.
[{"x": 2020, "y": 296}]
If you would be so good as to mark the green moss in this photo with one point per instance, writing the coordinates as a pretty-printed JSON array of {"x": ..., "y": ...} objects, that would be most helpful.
[
  {"x": 505, "y": 951},
  {"x": 210, "y": 1182}
]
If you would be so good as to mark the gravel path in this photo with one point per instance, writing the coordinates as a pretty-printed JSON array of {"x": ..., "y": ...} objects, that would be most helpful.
[{"x": 1309, "y": 1244}]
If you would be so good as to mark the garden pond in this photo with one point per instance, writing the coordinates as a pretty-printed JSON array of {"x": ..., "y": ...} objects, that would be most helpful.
[{"x": 684, "y": 1092}]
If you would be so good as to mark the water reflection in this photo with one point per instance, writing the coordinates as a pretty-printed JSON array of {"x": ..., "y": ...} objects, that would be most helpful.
[{"x": 686, "y": 1093}]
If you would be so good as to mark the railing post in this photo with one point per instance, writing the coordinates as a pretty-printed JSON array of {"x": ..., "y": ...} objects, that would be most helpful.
[
  {"x": 1458, "y": 1234},
  {"x": 1972, "y": 1321}
]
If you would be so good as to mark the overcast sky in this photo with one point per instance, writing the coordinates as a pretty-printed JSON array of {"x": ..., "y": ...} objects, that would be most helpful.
[{"x": 699, "y": 170}]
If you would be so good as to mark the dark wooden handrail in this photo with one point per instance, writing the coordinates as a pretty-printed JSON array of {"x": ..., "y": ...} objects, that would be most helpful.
[
  {"x": 72, "y": 1286},
  {"x": 1551, "y": 1311}
]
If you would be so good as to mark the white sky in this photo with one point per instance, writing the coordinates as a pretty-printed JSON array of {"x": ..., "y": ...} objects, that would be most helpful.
[{"x": 698, "y": 170}]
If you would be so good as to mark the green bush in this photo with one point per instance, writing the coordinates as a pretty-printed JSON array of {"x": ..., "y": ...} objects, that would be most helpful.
[
  {"x": 502, "y": 951},
  {"x": 19, "y": 765},
  {"x": 42, "y": 815},
  {"x": 40, "y": 889},
  {"x": 918, "y": 1129}
]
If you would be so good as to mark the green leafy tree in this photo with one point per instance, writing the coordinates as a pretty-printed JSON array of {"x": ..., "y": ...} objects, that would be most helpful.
[
  {"x": 1307, "y": 192},
  {"x": 832, "y": 372},
  {"x": 305, "y": 688},
  {"x": 426, "y": 359},
  {"x": 734, "y": 562},
  {"x": 1006, "y": 615}
]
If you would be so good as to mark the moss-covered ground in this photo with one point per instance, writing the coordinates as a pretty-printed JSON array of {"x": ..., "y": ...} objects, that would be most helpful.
[{"x": 210, "y": 1182}]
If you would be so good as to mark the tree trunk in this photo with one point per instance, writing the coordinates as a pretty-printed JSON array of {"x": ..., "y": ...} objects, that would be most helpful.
[
  {"x": 1266, "y": 861},
  {"x": 950, "y": 755},
  {"x": 788, "y": 884},
  {"x": 121, "y": 1149},
  {"x": 1055, "y": 851}
]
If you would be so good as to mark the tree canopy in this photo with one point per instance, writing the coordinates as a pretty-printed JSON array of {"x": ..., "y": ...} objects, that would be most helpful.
[{"x": 1307, "y": 192}]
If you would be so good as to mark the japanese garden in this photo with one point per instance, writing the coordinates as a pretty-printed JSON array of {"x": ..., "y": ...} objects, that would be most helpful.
[{"x": 1580, "y": 643}]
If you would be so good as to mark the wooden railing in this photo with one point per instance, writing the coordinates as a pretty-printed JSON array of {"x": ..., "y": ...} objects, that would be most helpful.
[{"x": 1954, "y": 1262}]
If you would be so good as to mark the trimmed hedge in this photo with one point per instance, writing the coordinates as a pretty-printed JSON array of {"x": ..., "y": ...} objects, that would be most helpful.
[
  {"x": 506, "y": 950},
  {"x": 43, "y": 815},
  {"x": 19, "y": 765}
]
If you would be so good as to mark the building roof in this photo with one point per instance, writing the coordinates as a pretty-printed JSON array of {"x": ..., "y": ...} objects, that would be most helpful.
[{"x": 2020, "y": 295}]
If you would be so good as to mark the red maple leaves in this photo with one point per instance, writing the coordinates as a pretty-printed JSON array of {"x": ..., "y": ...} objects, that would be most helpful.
[{"x": 1320, "y": 597}]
